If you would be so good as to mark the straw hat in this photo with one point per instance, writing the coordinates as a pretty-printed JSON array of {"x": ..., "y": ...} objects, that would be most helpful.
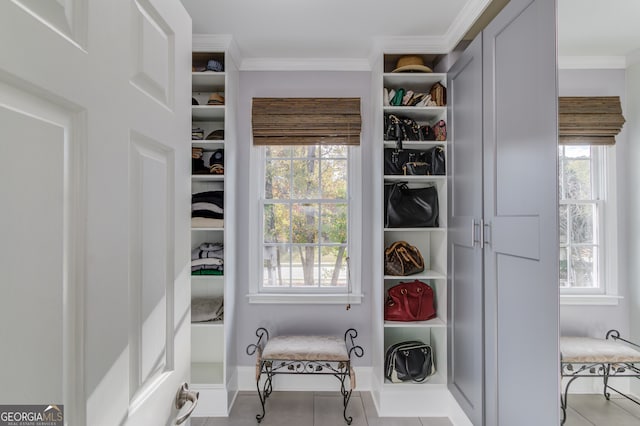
[
  {"x": 215, "y": 99},
  {"x": 411, "y": 63}
]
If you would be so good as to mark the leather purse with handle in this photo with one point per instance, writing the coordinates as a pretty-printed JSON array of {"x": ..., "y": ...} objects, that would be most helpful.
[
  {"x": 401, "y": 258},
  {"x": 412, "y": 301}
]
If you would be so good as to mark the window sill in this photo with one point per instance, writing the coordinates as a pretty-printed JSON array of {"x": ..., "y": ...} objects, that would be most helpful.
[
  {"x": 592, "y": 300},
  {"x": 309, "y": 299}
]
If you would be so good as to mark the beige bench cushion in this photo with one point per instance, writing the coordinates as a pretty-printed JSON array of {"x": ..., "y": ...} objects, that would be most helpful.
[
  {"x": 306, "y": 348},
  {"x": 590, "y": 350}
]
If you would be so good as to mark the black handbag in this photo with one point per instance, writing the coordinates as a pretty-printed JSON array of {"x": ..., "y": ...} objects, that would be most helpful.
[
  {"x": 392, "y": 128},
  {"x": 416, "y": 168},
  {"x": 410, "y": 207},
  {"x": 437, "y": 160},
  {"x": 408, "y": 361},
  {"x": 399, "y": 129},
  {"x": 427, "y": 162}
]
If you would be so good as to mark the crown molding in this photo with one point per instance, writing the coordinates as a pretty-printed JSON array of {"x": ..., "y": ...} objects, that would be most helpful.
[
  {"x": 633, "y": 58},
  {"x": 592, "y": 62},
  {"x": 305, "y": 64},
  {"x": 214, "y": 42},
  {"x": 410, "y": 44},
  {"x": 471, "y": 11}
]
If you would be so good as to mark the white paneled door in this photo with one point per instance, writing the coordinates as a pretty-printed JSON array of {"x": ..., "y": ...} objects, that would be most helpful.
[
  {"x": 522, "y": 368},
  {"x": 465, "y": 248},
  {"x": 94, "y": 268}
]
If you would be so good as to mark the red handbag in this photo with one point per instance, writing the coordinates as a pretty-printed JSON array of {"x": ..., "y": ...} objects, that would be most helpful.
[{"x": 412, "y": 301}]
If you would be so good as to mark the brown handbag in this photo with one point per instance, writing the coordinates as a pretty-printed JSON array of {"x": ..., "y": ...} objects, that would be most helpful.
[
  {"x": 438, "y": 94},
  {"x": 401, "y": 258},
  {"x": 411, "y": 301}
]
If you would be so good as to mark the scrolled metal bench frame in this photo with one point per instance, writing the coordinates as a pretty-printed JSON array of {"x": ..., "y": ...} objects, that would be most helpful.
[
  {"x": 271, "y": 367},
  {"x": 599, "y": 369}
]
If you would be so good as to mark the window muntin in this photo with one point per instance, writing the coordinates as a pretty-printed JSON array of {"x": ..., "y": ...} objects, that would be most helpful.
[
  {"x": 581, "y": 218},
  {"x": 305, "y": 219}
]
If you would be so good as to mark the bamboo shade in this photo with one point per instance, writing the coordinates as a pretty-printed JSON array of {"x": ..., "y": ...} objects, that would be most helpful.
[
  {"x": 589, "y": 120},
  {"x": 306, "y": 121}
]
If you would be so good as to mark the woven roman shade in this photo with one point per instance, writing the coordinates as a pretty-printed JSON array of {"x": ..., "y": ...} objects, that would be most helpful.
[
  {"x": 306, "y": 121},
  {"x": 589, "y": 120}
]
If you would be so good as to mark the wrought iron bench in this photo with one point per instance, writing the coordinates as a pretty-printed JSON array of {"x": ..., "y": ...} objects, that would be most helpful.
[
  {"x": 606, "y": 358},
  {"x": 317, "y": 355}
]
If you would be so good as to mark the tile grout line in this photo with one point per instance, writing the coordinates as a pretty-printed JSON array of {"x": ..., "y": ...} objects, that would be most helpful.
[
  {"x": 364, "y": 410},
  {"x": 575, "y": 410},
  {"x": 622, "y": 407}
]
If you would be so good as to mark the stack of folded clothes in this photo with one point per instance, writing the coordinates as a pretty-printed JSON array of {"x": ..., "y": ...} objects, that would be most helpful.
[
  {"x": 207, "y": 209},
  {"x": 208, "y": 259}
]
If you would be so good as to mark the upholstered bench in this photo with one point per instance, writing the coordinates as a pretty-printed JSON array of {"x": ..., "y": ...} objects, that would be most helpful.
[
  {"x": 589, "y": 357},
  {"x": 314, "y": 355}
]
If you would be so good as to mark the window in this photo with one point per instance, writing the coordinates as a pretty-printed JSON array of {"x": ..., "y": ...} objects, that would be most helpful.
[
  {"x": 305, "y": 169},
  {"x": 307, "y": 224},
  {"x": 305, "y": 211},
  {"x": 586, "y": 220}
]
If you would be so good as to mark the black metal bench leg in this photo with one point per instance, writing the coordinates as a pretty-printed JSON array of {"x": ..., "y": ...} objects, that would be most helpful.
[
  {"x": 267, "y": 388},
  {"x": 605, "y": 379},
  {"x": 563, "y": 400},
  {"x": 346, "y": 398},
  {"x": 346, "y": 395}
]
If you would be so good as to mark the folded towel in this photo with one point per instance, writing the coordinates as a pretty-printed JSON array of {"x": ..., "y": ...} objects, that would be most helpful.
[
  {"x": 207, "y": 213},
  {"x": 211, "y": 267},
  {"x": 207, "y": 272},
  {"x": 210, "y": 196},
  {"x": 210, "y": 261},
  {"x": 211, "y": 246},
  {"x": 205, "y": 250},
  {"x": 205, "y": 309},
  {"x": 206, "y": 206},
  {"x": 205, "y": 222}
]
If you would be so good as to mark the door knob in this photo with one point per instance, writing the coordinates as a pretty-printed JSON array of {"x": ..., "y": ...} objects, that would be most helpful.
[{"x": 184, "y": 395}]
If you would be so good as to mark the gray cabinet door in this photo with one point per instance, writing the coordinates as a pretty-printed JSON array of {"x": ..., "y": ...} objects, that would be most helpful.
[
  {"x": 465, "y": 331},
  {"x": 520, "y": 187}
]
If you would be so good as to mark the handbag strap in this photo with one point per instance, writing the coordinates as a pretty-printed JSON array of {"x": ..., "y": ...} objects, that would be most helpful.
[
  {"x": 407, "y": 308},
  {"x": 404, "y": 254},
  {"x": 393, "y": 247},
  {"x": 415, "y": 379}
]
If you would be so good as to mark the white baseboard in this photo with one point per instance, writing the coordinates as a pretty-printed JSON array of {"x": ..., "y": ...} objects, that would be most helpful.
[
  {"x": 419, "y": 401},
  {"x": 413, "y": 401},
  {"x": 212, "y": 402},
  {"x": 595, "y": 385},
  {"x": 300, "y": 382},
  {"x": 592, "y": 62}
]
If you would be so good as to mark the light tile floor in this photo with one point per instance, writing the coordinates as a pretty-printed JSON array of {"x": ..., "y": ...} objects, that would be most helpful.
[
  {"x": 325, "y": 409},
  {"x": 595, "y": 410},
  {"x": 311, "y": 409}
]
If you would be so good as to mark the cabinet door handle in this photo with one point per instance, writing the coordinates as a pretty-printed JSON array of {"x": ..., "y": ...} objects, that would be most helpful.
[
  {"x": 485, "y": 241},
  {"x": 474, "y": 226}
]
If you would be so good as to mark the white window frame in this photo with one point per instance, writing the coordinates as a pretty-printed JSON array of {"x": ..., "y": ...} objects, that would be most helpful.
[
  {"x": 607, "y": 292},
  {"x": 354, "y": 240}
]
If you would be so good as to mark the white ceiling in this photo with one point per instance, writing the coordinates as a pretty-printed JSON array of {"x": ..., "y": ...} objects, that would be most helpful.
[
  {"x": 349, "y": 29},
  {"x": 598, "y": 27},
  {"x": 331, "y": 28}
]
